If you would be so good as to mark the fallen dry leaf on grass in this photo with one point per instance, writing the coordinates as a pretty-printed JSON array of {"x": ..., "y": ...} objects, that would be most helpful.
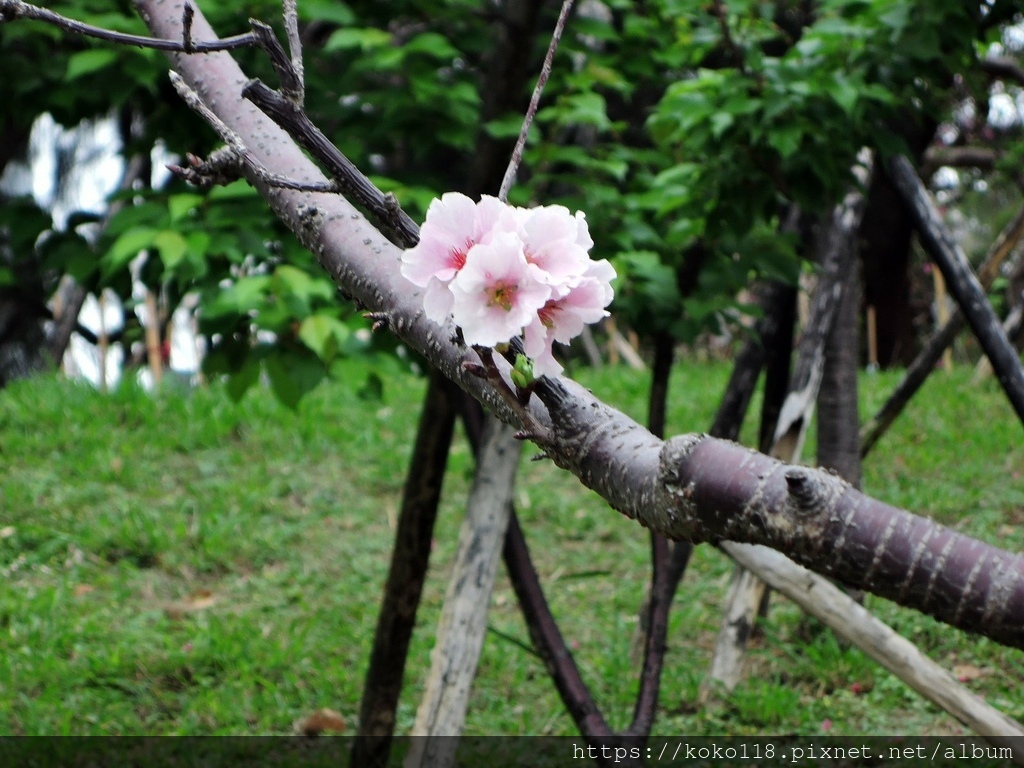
[
  {"x": 317, "y": 722},
  {"x": 967, "y": 672},
  {"x": 199, "y": 600}
]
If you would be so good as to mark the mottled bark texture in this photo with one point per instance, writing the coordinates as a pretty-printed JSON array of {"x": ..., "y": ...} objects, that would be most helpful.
[
  {"x": 547, "y": 637},
  {"x": 740, "y": 495},
  {"x": 838, "y": 419},
  {"x": 691, "y": 488},
  {"x": 837, "y": 258},
  {"x": 463, "y": 622}
]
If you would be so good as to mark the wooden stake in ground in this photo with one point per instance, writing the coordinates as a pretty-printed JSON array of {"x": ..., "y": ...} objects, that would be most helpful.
[
  {"x": 963, "y": 285},
  {"x": 942, "y": 314},
  {"x": 460, "y": 632},
  {"x": 1012, "y": 326},
  {"x": 154, "y": 353},
  {"x": 829, "y": 604},
  {"x": 926, "y": 359}
]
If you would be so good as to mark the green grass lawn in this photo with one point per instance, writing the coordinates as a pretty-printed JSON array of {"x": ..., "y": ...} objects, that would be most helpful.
[{"x": 181, "y": 564}]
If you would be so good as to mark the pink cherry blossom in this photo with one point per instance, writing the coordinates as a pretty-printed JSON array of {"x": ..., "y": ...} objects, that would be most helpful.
[
  {"x": 554, "y": 240},
  {"x": 499, "y": 271},
  {"x": 497, "y": 292},
  {"x": 564, "y": 315},
  {"x": 454, "y": 224}
]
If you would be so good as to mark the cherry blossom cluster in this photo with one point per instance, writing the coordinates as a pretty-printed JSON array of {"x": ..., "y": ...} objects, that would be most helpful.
[{"x": 500, "y": 272}]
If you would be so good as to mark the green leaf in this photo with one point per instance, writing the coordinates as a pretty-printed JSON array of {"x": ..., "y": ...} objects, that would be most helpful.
[
  {"x": 508, "y": 127},
  {"x": 720, "y": 122},
  {"x": 580, "y": 109},
  {"x": 87, "y": 62},
  {"x": 241, "y": 381},
  {"x": 844, "y": 93},
  {"x": 182, "y": 205},
  {"x": 172, "y": 246},
  {"x": 324, "y": 334},
  {"x": 243, "y": 297},
  {"x": 293, "y": 282},
  {"x": 293, "y": 375},
  {"x": 785, "y": 139},
  {"x": 363, "y": 39},
  {"x": 127, "y": 247},
  {"x": 326, "y": 10},
  {"x": 432, "y": 44}
]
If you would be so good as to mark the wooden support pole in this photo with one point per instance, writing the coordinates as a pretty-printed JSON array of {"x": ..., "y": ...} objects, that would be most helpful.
[{"x": 963, "y": 285}]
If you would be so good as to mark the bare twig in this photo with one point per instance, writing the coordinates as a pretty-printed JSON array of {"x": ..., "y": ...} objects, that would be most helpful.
[
  {"x": 11, "y": 10},
  {"x": 291, "y": 26},
  {"x": 720, "y": 12},
  {"x": 292, "y": 88},
  {"x": 384, "y": 209},
  {"x": 188, "y": 15},
  {"x": 226, "y": 164},
  {"x": 531, "y": 112}
]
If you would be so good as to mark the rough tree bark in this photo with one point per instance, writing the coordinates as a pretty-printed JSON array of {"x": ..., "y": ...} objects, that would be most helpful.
[
  {"x": 692, "y": 487},
  {"x": 544, "y": 632},
  {"x": 838, "y": 421}
]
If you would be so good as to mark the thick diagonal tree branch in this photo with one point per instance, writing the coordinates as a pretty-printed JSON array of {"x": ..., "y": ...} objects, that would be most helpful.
[{"x": 691, "y": 487}]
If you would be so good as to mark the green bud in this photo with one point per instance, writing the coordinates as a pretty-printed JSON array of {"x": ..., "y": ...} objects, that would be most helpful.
[{"x": 522, "y": 372}]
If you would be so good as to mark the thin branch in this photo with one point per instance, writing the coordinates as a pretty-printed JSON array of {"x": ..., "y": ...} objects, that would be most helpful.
[
  {"x": 188, "y": 15},
  {"x": 292, "y": 87},
  {"x": 225, "y": 165},
  {"x": 382, "y": 208},
  {"x": 291, "y": 26},
  {"x": 531, "y": 112},
  {"x": 12, "y": 10},
  {"x": 720, "y": 12}
]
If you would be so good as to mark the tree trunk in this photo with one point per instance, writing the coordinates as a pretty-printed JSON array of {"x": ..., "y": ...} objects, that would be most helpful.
[{"x": 838, "y": 419}]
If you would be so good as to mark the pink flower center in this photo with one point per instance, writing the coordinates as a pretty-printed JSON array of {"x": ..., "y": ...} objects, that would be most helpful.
[
  {"x": 457, "y": 256},
  {"x": 501, "y": 296},
  {"x": 547, "y": 313}
]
